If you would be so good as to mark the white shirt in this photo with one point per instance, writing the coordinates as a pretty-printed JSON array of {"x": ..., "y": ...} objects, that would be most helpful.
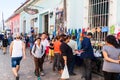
[
  {"x": 73, "y": 45},
  {"x": 45, "y": 43},
  {"x": 38, "y": 51},
  {"x": 17, "y": 48}
]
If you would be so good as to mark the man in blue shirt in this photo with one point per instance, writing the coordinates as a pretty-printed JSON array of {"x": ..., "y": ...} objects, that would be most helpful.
[{"x": 87, "y": 56}]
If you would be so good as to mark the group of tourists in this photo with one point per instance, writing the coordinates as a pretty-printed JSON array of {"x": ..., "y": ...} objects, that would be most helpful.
[{"x": 62, "y": 50}]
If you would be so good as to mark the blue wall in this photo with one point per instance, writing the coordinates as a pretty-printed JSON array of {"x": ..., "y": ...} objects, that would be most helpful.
[
  {"x": 24, "y": 16},
  {"x": 49, "y": 6},
  {"x": 75, "y": 14}
]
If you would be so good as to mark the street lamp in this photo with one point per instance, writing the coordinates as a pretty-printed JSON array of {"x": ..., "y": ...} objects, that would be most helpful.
[{"x": 65, "y": 15}]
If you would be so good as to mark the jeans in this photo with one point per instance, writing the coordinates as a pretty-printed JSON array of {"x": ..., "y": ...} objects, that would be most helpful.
[
  {"x": 71, "y": 65},
  {"x": 87, "y": 69},
  {"x": 57, "y": 61}
]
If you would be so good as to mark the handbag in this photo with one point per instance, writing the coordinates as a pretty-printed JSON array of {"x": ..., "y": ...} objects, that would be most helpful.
[{"x": 65, "y": 74}]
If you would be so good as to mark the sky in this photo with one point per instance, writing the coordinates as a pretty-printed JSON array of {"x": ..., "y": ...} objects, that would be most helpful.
[{"x": 8, "y": 7}]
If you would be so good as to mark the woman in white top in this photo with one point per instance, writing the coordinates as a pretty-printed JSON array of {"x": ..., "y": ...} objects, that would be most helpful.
[{"x": 17, "y": 52}]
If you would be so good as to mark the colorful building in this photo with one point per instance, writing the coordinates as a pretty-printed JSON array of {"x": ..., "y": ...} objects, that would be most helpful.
[
  {"x": 13, "y": 23},
  {"x": 91, "y": 15}
]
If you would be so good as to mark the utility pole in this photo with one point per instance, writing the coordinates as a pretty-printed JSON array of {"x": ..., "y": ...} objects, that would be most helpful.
[
  {"x": 3, "y": 22},
  {"x": 65, "y": 14},
  {"x": 65, "y": 10}
]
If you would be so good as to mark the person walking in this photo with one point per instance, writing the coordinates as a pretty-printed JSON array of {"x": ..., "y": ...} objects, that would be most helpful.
[
  {"x": 17, "y": 53},
  {"x": 5, "y": 44},
  {"x": 45, "y": 44},
  {"x": 111, "y": 54},
  {"x": 38, "y": 52},
  {"x": 87, "y": 56}
]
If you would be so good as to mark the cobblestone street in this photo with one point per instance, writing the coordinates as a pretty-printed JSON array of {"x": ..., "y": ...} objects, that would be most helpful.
[{"x": 27, "y": 70}]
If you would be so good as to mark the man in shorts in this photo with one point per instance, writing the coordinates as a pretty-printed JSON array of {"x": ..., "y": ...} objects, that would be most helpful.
[{"x": 17, "y": 53}]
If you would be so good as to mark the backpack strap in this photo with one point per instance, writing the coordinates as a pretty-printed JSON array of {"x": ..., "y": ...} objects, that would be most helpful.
[
  {"x": 34, "y": 48},
  {"x": 41, "y": 49}
]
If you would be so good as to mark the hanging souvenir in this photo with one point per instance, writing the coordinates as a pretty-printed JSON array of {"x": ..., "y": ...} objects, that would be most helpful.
[
  {"x": 112, "y": 29},
  {"x": 83, "y": 30},
  {"x": 93, "y": 30},
  {"x": 98, "y": 29},
  {"x": 105, "y": 29},
  {"x": 73, "y": 33},
  {"x": 76, "y": 33},
  {"x": 79, "y": 30},
  {"x": 69, "y": 31}
]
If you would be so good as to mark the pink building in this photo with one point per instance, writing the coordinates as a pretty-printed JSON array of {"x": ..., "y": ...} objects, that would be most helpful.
[{"x": 13, "y": 23}]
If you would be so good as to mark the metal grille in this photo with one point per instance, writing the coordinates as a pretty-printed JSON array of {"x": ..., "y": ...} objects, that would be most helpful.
[{"x": 98, "y": 17}]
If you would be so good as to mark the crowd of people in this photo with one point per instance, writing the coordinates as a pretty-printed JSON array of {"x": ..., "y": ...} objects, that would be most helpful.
[{"x": 62, "y": 50}]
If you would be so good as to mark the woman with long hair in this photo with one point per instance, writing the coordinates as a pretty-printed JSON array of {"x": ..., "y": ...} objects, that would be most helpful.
[{"x": 111, "y": 53}]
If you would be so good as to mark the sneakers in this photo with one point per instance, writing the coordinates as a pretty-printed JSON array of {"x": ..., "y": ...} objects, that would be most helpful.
[
  {"x": 38, "y": 78},
  {"x": 42, "y": 73},
  {"x": 17, "y": 78}
]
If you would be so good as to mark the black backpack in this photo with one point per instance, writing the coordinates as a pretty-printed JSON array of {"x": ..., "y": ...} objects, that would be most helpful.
[{"x": 41, "y": 49}]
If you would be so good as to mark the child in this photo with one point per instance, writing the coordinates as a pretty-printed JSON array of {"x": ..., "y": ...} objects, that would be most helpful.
[{"x": 51, "y": 51}]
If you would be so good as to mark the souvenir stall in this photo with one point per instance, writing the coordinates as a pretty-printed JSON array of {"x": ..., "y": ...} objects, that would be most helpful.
[{"x": 98, "y": 41}]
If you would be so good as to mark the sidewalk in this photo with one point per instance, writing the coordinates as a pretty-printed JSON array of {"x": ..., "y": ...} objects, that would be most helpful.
[{"x": 27, "y": 70}]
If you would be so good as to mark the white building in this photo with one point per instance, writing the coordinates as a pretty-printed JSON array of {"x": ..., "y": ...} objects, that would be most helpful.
[{"x": 92, "y": 14}]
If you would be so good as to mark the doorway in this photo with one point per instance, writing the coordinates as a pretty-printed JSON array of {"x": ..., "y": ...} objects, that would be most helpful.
[
  {"x": 24, "y": 26},
  {"x": 46, "y": 22}
]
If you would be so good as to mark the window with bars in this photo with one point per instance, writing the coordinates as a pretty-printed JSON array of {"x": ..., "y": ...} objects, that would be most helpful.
[{"x": 98, "y": 17}]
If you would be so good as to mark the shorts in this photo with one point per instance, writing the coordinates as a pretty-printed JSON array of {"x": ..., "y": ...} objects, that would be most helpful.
[
  {"x": 51, "y": 52},
  {"x": 16, "y": 61}
]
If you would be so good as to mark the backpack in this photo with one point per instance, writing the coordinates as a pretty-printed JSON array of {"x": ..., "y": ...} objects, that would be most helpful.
[{"x": 35, "y": 49}]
